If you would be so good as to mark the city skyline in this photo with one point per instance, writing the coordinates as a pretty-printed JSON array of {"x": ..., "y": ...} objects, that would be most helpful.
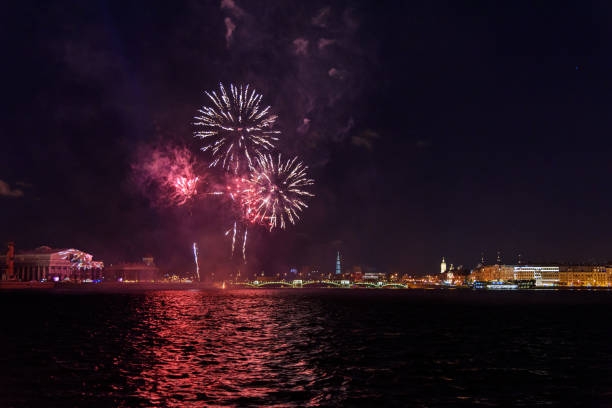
[
  {"x": 76, "y": 264},
  {"x": 514, "y": 153}
]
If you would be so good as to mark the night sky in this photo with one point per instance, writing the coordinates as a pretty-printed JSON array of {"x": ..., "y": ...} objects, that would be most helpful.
[{"x": 433, "y": 129}]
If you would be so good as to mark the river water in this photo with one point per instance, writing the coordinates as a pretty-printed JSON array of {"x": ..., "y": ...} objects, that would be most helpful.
[{"x": 327, "y": 347}]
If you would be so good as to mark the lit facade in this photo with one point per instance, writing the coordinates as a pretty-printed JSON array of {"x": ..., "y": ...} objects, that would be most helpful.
[
  {"x": 45, "y": 263},
  {"x": 542, "y": 275},
  {"x": 357, "y": 274},
  {"x": 488, "y": 273},
  {"x": 373, "y": 276},
  {"x": 585, "y": 275},
  {"x": 546, "y": 276}
]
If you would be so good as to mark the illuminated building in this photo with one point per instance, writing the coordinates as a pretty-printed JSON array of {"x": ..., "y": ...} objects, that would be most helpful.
[
  {"x": 542, "y": 275},
  {"x": 443, "y": 266},
  {"x": 373, "y": 276},
  {"x": 357, "y": 274},
  {"x": 338, "y": 266},
  {"x": 145, "y": 271},
  {"x": 546, "y": 275},
  {"x": 45, "y": 263},
  {"x": 585, "y": 275},
  {"x": 487, "y": 273},
  {"x": 309, "y": 272}
]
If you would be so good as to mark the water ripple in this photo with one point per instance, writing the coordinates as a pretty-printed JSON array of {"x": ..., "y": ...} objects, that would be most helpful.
[{"x": 303, "y": 348}]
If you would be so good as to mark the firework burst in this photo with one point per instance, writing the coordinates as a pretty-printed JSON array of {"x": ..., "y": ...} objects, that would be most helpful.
[
  {"x": 236, "y": 129},
  {"x": 169, "y": 175},
  {"x": 277, "y": 191},
  {"x": 184, "y": 189}
]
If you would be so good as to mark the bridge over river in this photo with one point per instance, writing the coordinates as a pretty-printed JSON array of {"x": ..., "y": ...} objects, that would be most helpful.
[{"x": 297, "y": 284}]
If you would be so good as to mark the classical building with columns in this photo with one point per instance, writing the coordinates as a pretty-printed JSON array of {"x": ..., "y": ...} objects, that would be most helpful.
[{"x": 45, "y": 263}]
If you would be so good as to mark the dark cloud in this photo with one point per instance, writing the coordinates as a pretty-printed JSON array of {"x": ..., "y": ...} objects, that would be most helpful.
[
  {"x": 304, "y": 126},
  {"x": 365, "y": 139},
  {"x": 343, "y": 131},
  {"x": 322, "y": 17},
  {"x": 325, "y": 42},
  {"x": 6, "y": 191},
  {"x": 337, "y": 73},
  {"x": 300, "y": 46},
  {"x": 229, "y": 30},
  {"x": 232, "y": 7}
]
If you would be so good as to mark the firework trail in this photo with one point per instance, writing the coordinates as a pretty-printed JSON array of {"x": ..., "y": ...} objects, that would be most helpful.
[
  {"x": 195, "y": 256},
  {"x": 233, "y": 237},
  {"x": 236, "y": 128},
  {"x": 234, "y": 231},
  {"x": 244, "y": 240},
  {"x": 236, "y": 188},
  {"x": 276, "y": 191}
]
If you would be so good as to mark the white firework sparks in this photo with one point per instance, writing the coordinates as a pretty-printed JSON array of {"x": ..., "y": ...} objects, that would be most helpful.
[
  {"x": 244, "y": 240},
  {"x": 277, "y": 191},
  {"x": 197, "y": 263},
  {"x": 236, "y": 129},
  {"x": 234, "y": 232}
]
